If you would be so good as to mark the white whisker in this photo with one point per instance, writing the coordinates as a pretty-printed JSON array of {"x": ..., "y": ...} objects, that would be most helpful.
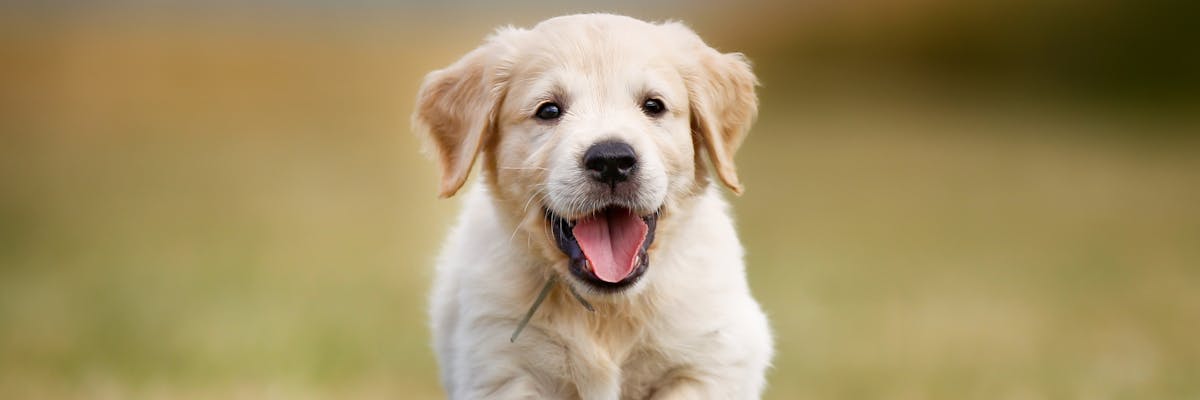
[{"x": 525, "y": 168}]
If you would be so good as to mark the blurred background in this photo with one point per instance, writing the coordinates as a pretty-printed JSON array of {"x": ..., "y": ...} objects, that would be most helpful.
[{"x": 945, "y": 199}]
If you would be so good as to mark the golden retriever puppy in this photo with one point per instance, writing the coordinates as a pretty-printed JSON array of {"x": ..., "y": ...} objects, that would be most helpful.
[{"x": 594, "y": 214}]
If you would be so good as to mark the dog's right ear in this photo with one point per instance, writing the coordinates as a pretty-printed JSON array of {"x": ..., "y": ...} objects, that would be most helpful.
[{"x": 457, "y": 105}]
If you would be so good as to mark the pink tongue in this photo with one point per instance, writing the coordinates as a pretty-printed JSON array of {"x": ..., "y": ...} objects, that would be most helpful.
[{"x": 611, "y": 242}]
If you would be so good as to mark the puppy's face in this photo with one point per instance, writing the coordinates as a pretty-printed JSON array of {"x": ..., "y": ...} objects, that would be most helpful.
[{"x": 590, "y": 126}]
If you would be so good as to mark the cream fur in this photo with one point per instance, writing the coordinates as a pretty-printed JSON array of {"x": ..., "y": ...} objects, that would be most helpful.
[{"x": 689, "y": 329}]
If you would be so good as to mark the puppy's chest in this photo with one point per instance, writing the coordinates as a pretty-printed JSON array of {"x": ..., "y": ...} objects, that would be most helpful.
[
  {"x": 645, "y": 371},
  {"x": 640, "y": 360}
]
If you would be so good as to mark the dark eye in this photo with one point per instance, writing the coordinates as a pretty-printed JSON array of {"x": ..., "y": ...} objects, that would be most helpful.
[
  {"x": 653, "y": 107},
  {"x": 548, "y": 111}
]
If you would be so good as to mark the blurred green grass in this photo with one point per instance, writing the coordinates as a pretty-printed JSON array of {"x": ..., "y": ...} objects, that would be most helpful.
[{"x": 235, "y": 209}]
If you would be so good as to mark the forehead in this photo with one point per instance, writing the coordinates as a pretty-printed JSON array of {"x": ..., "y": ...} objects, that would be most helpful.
[
  {"x": 591, "y": 55},
  {"x": 594, "y": 45}
]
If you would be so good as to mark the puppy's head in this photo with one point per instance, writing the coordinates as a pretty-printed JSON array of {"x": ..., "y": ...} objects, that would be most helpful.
[{"x": 592, "y": 129}]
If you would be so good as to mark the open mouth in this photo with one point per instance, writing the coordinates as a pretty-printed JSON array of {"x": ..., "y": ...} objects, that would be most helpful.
[{"x": 608, "y": 248}]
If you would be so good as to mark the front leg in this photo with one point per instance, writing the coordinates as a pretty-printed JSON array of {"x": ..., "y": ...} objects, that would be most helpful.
[
  {"x": 734, "y": 364},
  {"x": 509, "y": 387},
  {"x": 686, "y": 388},
  {"x": 681, "y": 389},
  {"x": 538, "y": 371},
  {"x": 733, "y": 368}
]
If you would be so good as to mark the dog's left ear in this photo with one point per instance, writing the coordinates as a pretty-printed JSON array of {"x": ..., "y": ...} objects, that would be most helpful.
[
  {"x": 723, "y": 103},
  {"x": 456, "y": 107}
]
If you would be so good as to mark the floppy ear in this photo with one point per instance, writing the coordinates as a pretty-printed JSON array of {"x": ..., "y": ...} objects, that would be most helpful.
[
  {"x": 456, "y": 109},
  {"x": 723, "y": 105}
]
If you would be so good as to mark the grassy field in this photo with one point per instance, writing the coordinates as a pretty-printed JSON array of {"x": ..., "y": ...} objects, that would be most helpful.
[{"x": 244, "y": 214}]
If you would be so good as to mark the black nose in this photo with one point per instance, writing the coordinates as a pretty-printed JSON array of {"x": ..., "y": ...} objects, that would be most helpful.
[{"x": 610, "y": 162}]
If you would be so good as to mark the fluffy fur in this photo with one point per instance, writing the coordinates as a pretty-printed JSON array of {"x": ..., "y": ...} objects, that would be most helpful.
[{"x": 689, "y": 329}]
